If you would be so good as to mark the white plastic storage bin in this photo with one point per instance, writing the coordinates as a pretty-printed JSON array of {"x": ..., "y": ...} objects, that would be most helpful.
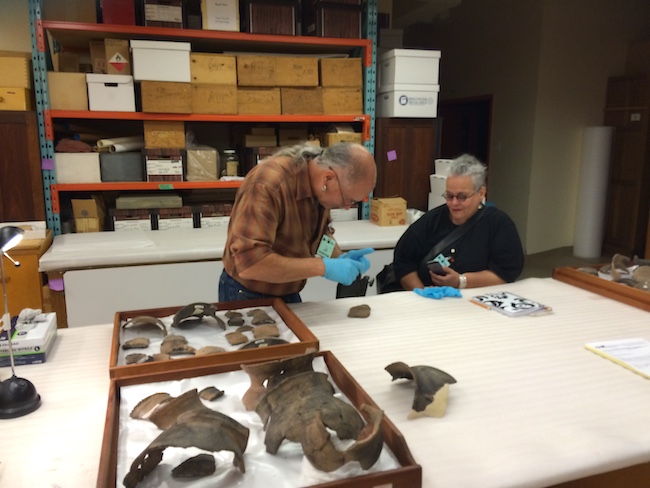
[
  {"x": 442, "y": 166},
  {"x": 161, "y": 61},
  {"x": 77, "y": 167},
  {"x": 110, "y": 93},
  {"x": 404, "y": 101},
  {"x": 413, "y": 66}
]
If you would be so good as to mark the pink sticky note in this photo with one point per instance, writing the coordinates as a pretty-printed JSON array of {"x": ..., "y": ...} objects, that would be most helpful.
[
  {"x": 392, "y": 155},
  {"x": 56, "y": 284},
  {"x": 47, "y": 163}
]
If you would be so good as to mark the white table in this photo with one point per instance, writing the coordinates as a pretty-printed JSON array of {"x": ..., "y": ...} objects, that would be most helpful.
[
  {"x": 108, "y": 271},
  {"x": 531, "y": 408}
]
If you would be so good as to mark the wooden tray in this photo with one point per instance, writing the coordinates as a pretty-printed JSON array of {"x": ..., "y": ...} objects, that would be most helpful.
[
  {"x": 408, "y": 475},
  {"x": 606, "y": 288},
  {"x": 307, "y": 342}
]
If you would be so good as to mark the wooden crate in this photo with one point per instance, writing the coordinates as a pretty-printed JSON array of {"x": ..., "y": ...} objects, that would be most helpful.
[
  {"x": 259, "y": 101},
  {"x": 166, "y": 97},
  {"x": 408, "y": 475},
  {"x": 219, "y": 69},
  {"x": 302, "y": 101},
  {"x": 214, "y": 99},
  {"x": 340, "y": 101},
  {"x": 158, "y": 369},
  {"x": 606, "y": 288},
  {"x": 341, "y": 72}
]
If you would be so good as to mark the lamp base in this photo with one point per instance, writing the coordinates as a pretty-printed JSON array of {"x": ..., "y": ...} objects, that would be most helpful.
[{"x": 18, "y": 397}]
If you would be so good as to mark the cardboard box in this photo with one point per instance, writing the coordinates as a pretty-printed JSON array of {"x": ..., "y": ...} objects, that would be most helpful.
[
  {"x": 15, "y": 69},
  {"x": 161, "y": 61},
  {"x": 218, "y": 69},
  {"x": 175, "y": 218},
  {"x": 340, "y": 134},
  {"x": 164, "y": 164},
  {"x": 277, "y": 18},
  {"x": 164, "y": 134},
  {"x": 202, "y": 164},
  {"x": 299, "y": 101},
  {"x": 15, "y": 99},
  {"x": 98, "y": 56},
  {"x": 220, "y": 15},
  {"x": 67, "y": 91},
  {"x": 77, "y": 168},
  {"x": 408, "y": 66},
  {"x": 290, "y": 137},
  {"x": 122, "y": 166},
  {"x": 123, "y": 220},
  {"x": 166, "y": 97},
  {"x": 110, "y": 93},
  {"x": 403, "y": 472},
  {"x": 67, "y": 62},
  {"x": 324, "y": 18},
  {"x": 89, "y": 214},
  {"x": 388, "y": 211},
  {"x": 403, "y": 101},
  {"x": 29, "y": 345},
  {"x": 341, "y": 72},
  {"x": 261, "y": 70},
  {"x": 342, "y": 101},
  {"x": 259, "y": 101},
  {"x": 164, "y": 13},
  {"x": 214, "y": 99},
  {"x": 300, "y": 339},
  {"x": 117, "y": 56},
  {"x": 442, "y": 166}
]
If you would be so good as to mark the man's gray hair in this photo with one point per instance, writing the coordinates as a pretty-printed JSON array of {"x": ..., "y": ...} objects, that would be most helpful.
[
  {"x": 468, "y": 165},
  {"x": 340, "y": 155}
]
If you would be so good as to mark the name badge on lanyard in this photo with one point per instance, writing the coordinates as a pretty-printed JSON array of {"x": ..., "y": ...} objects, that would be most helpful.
[{"x": 326, "y": 247}]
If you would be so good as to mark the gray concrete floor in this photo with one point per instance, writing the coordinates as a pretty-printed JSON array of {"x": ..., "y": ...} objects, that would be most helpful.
[{"x": 541, "y": 265}]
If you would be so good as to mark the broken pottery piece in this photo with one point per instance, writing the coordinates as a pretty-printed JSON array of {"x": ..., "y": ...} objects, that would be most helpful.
[
  {"x": 235, "y": 338},
  {"x": 148, "y": 405},
  {"x": 244, "y": 328},
  {"x": 360, "y": 311},
  {"x": 261, "y": 317},
  {"x": 137, "y": 358},
  {"x": 195, "y": 312},
  {"x": 266, "y": 330},
  {"x": 175, "y": 344},
  {"x": 265, "y": 341},
  {"x": 210, "y": 393},
  {"x": 209, "y": 350},
  {"x": 137, "y": 343},
  {"x": 195, "y": 467},
  {"x": 146, "y": 321},
  {"x": 431, "y": 388}
]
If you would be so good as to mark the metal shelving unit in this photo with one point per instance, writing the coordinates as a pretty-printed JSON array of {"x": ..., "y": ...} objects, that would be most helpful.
[{"x": 78, "y": 34}]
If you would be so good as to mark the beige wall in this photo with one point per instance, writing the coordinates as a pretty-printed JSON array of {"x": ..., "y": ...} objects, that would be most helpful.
[
  {"x": 14, "y": 26},
  {"x": 546, "y": 62}
]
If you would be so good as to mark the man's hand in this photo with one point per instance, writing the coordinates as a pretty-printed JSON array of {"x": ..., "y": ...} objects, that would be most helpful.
[
  {"x": 359, "y": 255},
  {"x": 343, "y": 269}
]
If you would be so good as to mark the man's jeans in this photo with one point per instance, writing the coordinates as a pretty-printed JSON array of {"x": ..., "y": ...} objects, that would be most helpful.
[{"x": 231, "y": 290}]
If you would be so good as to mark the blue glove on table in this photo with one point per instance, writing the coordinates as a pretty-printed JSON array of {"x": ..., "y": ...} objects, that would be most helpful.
[
  {"x": 438, "y": 292},
  {"x": 359, "y": 255},
  {"x": 342, "y": 270}
]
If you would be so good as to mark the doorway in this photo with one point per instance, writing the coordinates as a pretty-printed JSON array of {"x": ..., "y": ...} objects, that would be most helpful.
[{"x": 466, "y": 124}]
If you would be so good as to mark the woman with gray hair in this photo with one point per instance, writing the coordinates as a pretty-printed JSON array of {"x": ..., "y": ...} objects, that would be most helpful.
[
  {"x": 279, "y": 233},
  {"x": 487, "y": 251}
]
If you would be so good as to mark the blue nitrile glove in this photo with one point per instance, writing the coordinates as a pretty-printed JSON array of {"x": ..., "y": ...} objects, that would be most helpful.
[
  {"x": 438, "y": 292},
  {"x": 359, "y": 255},
  {"x": 342, "y": 270}
]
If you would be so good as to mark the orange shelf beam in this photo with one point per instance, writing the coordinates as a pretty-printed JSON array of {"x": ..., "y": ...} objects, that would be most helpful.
[
  {"x": 211, "y": 35},
  {"x": 138, "y": 185}
]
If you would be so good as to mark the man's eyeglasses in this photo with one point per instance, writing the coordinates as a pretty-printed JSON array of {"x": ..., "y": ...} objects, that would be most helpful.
[
  {"x": 345, "y": 202},
  {"x": 461, "y": 197}
]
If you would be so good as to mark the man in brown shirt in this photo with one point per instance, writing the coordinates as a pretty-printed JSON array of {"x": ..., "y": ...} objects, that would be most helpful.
[{"x": 279, "y": 232}]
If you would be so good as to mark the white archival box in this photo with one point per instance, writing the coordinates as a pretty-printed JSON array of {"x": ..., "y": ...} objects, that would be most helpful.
[
  {"x": 110, "y": 93},
  {"x": 410, "y": 66},
  {"x": 442, "y": 166},
  {"x": 418, "y": 101},
  {"x": 77, "y": 167},
  {"x": 161, "y": 61}
]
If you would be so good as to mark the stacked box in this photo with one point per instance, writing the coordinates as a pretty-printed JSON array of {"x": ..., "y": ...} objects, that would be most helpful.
[
  {"x": 408, "y": 83},
  {"x": 214, "y": 215},
  {"x": 67, "y": 91},
  {"x": 166, "y": 97},
  {"x": 214, "y": 84},
  {"x": 30, "y": 344},
  {"x": 388, "y": 211},
  {"x": 89, "y": 214},
  {"x": 161, "y": 61},
  {"x": 202, "y": 164},
  {"x": 122, "y": 166},
  {"x": 173, "y": 218},
  {"x": 77, "y": 168},
  {"x": 130, "y": 219},
  {"x": 278, "y": 17},
  {"x": 164, "y": 134},
  {"x": 333, "y": 18},
  {"x": 164, "y": 164},
  {"x": 110, "y": 93}
]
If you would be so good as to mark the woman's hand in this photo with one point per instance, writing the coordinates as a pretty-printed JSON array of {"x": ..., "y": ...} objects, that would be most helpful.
[{"x": 450, "y": 278}]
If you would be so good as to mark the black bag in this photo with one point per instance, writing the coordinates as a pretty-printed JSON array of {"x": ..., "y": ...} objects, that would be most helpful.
[
  {"x": 387, "y": 281},
  {"x": 358, "y": 288}
]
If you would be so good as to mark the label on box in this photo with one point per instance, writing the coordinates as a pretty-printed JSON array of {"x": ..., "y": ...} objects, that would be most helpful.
[
  {"x": 125, "y": 225},
  {"x": 164, "y": 166},
  {"x": 207, "y": 222},
  {"x": 180, "y": 223},
  {"x": 163, "y": 13}
]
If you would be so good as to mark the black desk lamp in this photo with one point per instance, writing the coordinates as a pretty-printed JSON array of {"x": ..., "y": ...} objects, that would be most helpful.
[{"x": 18, "y": 396}]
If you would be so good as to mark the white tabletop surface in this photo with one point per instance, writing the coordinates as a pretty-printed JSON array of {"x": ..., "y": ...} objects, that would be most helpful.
[
  {"x": 531, "y": 406},
  {"x": 102, "y": 249}
]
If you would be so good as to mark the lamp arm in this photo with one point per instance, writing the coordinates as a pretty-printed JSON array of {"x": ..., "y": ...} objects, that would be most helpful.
[{"x": 6, "y": 318}]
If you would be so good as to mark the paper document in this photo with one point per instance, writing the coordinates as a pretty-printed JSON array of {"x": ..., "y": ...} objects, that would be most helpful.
[{"x": 633, "y": 353}]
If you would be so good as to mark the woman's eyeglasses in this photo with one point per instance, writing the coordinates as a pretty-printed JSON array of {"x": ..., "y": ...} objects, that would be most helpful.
[{"x": 461, "y": 197}]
